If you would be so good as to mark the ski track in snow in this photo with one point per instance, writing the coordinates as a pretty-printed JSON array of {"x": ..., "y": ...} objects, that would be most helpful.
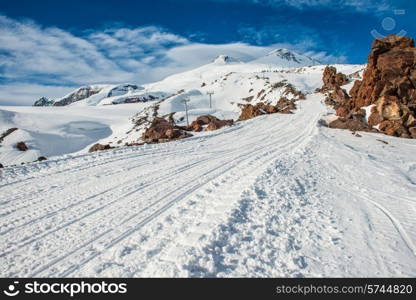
[{"x": 273, "y": 196}]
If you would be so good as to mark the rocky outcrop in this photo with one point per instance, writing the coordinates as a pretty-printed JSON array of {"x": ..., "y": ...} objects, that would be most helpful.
[
  {"x": 43, "y": 102},
  {"x": 285, "y": 106},
  {"x": 389, "y": 84},
  {"x": 99, "y": 147},
  {"x": 6, "y": 133},
  {"x": 211, "y": 123},
  {"x": 336, "y": 96},
  {"x": 162, "y": 130},
  {"x": 42, "y": 158},
  {"x": 249, "y": 111},
  {"x": 1, "y": 166},
  {"x": 21, "y": 146},
  {"x": 123, "y": 89},
  {"x": 332, "y": 79},
  {"x": 78, "y": 95}
]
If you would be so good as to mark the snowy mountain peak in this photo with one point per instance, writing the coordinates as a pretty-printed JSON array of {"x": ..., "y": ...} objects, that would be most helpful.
[
  {"x": 285, "y": 54},
  {"x": 43, "y": 102},
  {"x": 286, "y": 58},
  {"x": 225, "y": 59}
]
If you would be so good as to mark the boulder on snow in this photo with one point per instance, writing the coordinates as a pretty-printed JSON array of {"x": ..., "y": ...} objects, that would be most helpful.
[
  {"x": 1, "y": 166},
  {"x": 217, "y": 124},
  {"x": 213, "y": 123},
  {"x": 162, "y": 130},
  {"x": 250, "y": 111},
  {"x": 21, "y": 146},
  {"x": 41, "y": 158},
  {"x": 99, "y": 147},
  {"x": 350, "y": 124},
  {"x": 283, "y": 106}
]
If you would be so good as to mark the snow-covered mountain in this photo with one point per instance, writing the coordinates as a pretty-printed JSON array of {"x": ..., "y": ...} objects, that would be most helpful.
[
  {"x": 90, "y": 115},
  {"x": 277, "y": 195},
  {"x": 286, "y": 58},
  {"x": 225, "y": 59},
  {"x": 220, "y": 66}
]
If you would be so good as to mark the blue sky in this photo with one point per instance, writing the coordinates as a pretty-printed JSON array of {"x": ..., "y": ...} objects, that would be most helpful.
[{"x": 49, "y": 47}]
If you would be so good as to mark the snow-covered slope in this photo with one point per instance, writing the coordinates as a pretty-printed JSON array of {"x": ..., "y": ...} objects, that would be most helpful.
[
  {"x": 277, "y": 195},
  {"x": 52, "y": 130}
]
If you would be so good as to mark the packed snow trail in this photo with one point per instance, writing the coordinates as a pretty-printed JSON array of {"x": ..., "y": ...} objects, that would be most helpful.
[{"x": 272, "y": 196}]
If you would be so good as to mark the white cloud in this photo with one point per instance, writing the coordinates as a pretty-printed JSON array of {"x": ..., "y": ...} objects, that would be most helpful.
[{"x": 36, "y": 61}]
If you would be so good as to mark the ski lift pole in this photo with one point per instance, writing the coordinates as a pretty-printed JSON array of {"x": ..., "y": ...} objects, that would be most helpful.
[
  {"x": 210, "y": 93},
  {"x": 185, "y": 101}
]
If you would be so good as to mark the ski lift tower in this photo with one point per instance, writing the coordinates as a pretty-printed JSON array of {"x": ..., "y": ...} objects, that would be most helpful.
[
  {"x": 185, "y": 101},
  {"x": 210, "y": 93}
]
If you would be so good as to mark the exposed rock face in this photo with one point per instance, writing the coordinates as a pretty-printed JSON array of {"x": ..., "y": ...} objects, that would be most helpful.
[
  {"x": 123, "y": 89},
  {"x": 43, "y": 102},
  {"x": 389, "y": 83},
  {"x": 6, "y": 133},
  {"x": 1, "y": 166},
  {"x": 99, "y": 147},
  {"x": 162, "y": 130},
  {"x": 21, "y": 146},
  {"x": 80, "y": 94}
]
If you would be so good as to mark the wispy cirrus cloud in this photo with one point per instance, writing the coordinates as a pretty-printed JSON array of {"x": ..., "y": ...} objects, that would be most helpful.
[
  {"x": 40, "y": 61},
  {"x": 357, "y": 5}
]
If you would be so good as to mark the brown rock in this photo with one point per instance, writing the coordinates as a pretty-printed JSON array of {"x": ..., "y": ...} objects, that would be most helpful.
[
  {"x": 412, "y": 131},
  {"x": 333, "y": 79},
  {"x": 162, "y": 130},
  {"x": 375, "y": 119},
  {"x": 217, "y": 124},
  {"x": 42, "y": 158},
  {"x": 393, "y": 128},
  {"x": 389, "y": 83},
  {"x": 342, "y": 111},
  {"x": 99, "y": 147},
  {"x": 21, "y": 146},
  {"x": 206, "y": 119},
  {"x": 350, "y": 124},
  {"x": 250, "y": 111},
  {"x": 195, "y": 126}
]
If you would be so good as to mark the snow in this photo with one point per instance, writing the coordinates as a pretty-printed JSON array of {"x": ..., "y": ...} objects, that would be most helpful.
[
  {"x": 53, "y": 131},
  {"x": 277, "y": 195}
]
